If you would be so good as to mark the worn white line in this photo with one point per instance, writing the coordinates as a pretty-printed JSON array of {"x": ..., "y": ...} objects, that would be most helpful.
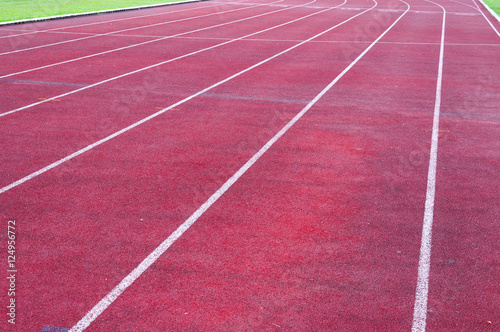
[
  {"x": 148, "y": 261},
  {"x": 424, "y": 263},
  {"x": 131, "y": 29},
  {"x": 464, "y": 4}
]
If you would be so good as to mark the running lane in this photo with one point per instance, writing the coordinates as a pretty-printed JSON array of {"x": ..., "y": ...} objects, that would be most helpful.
[
  {"x": 258, "y": 287},
  {"x": 313, "y": 237},
  {"x": 87, "y": 42},
  {"x": 16, "y": 37},
  {"x": 321, "y": 234},
  {"x": 465, "y": 264},
  {"x": 179, "y": 157},
  {"x": 97, "y": 112},
  {"x": 292, "y": 258}
]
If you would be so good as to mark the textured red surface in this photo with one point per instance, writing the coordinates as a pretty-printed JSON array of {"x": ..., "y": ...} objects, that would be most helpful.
[{"x": 321, "y": 234}]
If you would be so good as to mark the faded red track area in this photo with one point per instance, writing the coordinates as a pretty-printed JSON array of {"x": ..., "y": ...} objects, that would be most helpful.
[{"x": 288, "y": 143}]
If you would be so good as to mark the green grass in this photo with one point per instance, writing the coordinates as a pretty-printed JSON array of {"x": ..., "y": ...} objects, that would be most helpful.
[
  {"x": 13, "y": 10},
  {"x": 494, "y": 4}
]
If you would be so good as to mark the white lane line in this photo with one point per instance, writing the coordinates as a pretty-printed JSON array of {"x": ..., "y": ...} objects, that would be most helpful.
[
  {"x": 47, "y": 18},
  {"x": 491, "y": 12},
  {"x": 338, "y": 41},
  {"x": 43, "y": 19},
  {"x": 173, "y": 59},
  {"x": 424, "y": 263},
  {"x": 464, "y": 4},
  {"x": 130, "y": 29},
  {"x": 145, "y": 43},
  {"x": 151, "y": 258},
  {"x": 108, "y": 21},
  {"x": 79, "y": 152}
]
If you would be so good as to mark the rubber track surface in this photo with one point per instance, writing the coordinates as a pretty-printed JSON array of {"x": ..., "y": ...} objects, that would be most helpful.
[{"x": 321, "y": 233}]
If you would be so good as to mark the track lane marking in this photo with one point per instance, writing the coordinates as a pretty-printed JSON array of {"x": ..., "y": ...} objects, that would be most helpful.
[
  {"x": 177, "y": 58},
  {"x": 339, "y": 41},
  {"x": 424, "y": 263},
  {"x": 148, "y": 261},
  {"x": 464, "y": 4},
  {"x": 94, "y": 23},
  {"x": 130, "y": 29},
  {"x": 97, "y": 12},
  {"x": 40, "y": 82},
  {"x": 152, "y": 116},
  {"x": 144, "y": 43}
]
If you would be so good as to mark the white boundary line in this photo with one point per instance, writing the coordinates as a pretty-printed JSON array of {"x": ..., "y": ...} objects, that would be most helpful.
[
  {"x": 138, "y": 123},
  {"x": 177, "y": 58},
  {"x": 150, "y": 41},
  {"x": 492, "y": 12},
  {"x": 24, "y": 33},
  {"x": 131, "y": 29},
  {"x": 32, "y": 20},
  {"x": 148, "y": 261},
  {"x": 424, "y": 263}
]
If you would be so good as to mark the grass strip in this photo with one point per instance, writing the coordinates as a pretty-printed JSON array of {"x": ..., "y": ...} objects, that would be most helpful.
[
  {"x": 14, "y": 10},
  {"x": 494, "y": 4}
]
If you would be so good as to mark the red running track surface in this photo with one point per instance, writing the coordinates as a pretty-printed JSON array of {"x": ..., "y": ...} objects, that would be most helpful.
[{"x": 321, "y": 233}]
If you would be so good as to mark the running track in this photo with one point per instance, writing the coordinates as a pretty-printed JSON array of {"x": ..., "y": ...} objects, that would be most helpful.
[{"x": 254, "y": 166}]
